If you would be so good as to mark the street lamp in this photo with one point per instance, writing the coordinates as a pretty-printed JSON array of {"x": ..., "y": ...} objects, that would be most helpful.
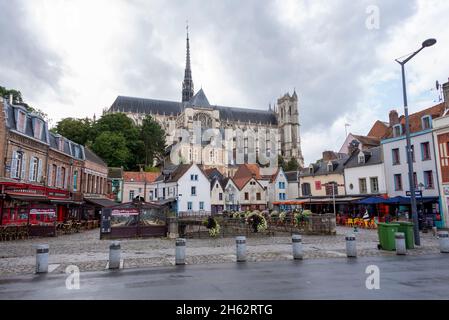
[{"x": 425, "y": 44}]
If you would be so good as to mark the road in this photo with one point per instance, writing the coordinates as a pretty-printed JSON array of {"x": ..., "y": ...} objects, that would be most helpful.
[{"x": 401, "y": 277}]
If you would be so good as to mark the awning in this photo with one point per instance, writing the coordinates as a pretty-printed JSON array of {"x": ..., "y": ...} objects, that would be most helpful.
[
  {"x": 64, "y": 201},
  {"x": 23, "y": 197},
  {"x": 330, "y": 200},
  {"x": 406, "y": 200},
  {"x": 373, "y": 200},
  {"x": 102, "y": 202}
]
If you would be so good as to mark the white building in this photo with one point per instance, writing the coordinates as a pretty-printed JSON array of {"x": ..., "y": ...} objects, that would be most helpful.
[
  {"x": 365, "y": 173},
  {"x": 188, "y": 185},
  {"x": 277, "y": 189}
]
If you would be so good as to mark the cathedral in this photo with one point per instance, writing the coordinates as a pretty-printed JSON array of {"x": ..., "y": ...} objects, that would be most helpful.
[{"x": 194, "y": 111}]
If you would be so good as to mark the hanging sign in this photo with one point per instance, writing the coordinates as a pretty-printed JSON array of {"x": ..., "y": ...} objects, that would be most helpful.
[{"x": 125, "y": 212}]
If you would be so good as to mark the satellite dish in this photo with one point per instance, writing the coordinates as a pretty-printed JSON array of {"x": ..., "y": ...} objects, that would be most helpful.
[{"x": 437, "y": 85}]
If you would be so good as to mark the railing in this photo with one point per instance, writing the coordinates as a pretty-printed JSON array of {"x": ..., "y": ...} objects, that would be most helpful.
[{"x": 201, "y": 213}]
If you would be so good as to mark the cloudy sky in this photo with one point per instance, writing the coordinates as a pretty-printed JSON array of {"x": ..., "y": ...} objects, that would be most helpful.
[{"x": 72, "y": 58}]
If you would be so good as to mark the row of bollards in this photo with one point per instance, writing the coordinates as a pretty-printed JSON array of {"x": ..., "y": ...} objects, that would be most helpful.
[{"x": 42, "y": 251}]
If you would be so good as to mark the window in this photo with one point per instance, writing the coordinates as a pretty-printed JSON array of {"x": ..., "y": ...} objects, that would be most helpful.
[
  {"x": 425, "y": 151},
  {"x": 193, "y": 191},
  {"x": 189, "y": 205},
  {"x": 163, "y": 193},
  {"x": 140, "y": 190},
  {"x": 201, "y": 205},
  {"x": 426, "y": 122},
  {"x": 246, "y": 196},
  {"x": 220, "y": 196},
  {"x": 374, "y": 184},
  {"x": 306, "y": 189},
  {"x": 281, "y": 196},
  {"x": 330, "y": 166},
  {"x": 18, "y": 165},
  {"x": 21, "y": 121},
  {"x": 281, "y": 185},
  {"x": 131, "y": 195},
  {"x": 361, "y": 158},
  {"x": 413, "y": 153},
  {"x": 397, "y": 182},
  {"x": 331, "y": 188},
  {"x": 428, "y": 179},
  {"x": 362, "y": 186},
  {"x": 258, "y": 197},
  {"x": 62, "y": 181},
  {"x": 216, "y": 186},
  {"x": 61, "y": 143},
  {"x": 151, "y": 195},
  {"x": 196, "y": 177},
  {"x": 397, "y": 130},
  {"x": 192, "y": 177},
  {"x": 212, "y": 156},
  {"x": 395, "y": 156},
  {"x": 75, "y": 180},
  {"x": 54, "y": 175},
  {"x": 37, "y": 129},
  {"x": 33, "y": 169}
]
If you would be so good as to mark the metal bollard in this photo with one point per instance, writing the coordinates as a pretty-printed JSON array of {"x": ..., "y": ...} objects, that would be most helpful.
[
  {"x": 444, "y": 241},
  {"x": 297, "y": 246},
  {"x": 114, "y": 255},
  {"x": 400, "y": 243},
  {"x": 241, "y": 248},
  {"x": 434, "y": 231},
  {"x": 180, "y": 257},
  {"x": 42, "y": 258},
  {"x": 351, "y": 248}
]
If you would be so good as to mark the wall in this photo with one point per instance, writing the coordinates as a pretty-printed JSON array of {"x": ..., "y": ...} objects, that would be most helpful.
[
  {"x": 419, "y": 165},
  {"x": 338, "y": 178},
  {"x": 352, "y": 176},
  {"x": 202, "y": 190}
]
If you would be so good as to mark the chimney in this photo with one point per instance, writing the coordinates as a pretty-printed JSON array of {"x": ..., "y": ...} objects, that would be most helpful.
[
  {"x": 446, "y": 94},
  {"x": 394, "y": 117},
  {"x": 10, "y": 98},
  {"x": 329, "y": 155}
]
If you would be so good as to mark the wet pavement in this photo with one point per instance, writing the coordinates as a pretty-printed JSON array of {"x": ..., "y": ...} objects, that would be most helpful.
[{"x": 401, "y": 277}]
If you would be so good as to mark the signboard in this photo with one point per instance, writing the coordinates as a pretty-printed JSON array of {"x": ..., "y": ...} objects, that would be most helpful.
[
  {"x": 48, "y": 211},
  {"x": 125, "y": 212},
  {"x": 418, "y": 193}
]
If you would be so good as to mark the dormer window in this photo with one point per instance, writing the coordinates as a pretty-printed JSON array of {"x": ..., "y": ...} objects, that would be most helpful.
[
  {"x": 361, "y": 158},
  {"x": 330, "y": 166},
  {"x": 426, "y": 122},
  {"x": 37, "y": 128},
  {"x": 21, "y": 121},
  {"x": 311, "y": 169},
  {"x": 397, "y": 130},
  {"x": 61, "y": 144}
]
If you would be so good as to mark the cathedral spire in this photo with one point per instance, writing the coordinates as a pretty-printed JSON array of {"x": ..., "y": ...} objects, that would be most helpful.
[{"x": 187, "y": 84}]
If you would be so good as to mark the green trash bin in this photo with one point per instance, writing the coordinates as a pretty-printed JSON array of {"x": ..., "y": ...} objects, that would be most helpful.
[
  {"x": 386, "y": 233},
  {"x": 407, "y": 229}
]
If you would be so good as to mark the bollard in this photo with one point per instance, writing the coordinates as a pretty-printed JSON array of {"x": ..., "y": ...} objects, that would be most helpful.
[
  {"x": 241, "y": 248},
  {"x": 180, "y": 257},
  {"x": 297, "y": 246},
  {"x": 351, "y": 248},
  {"x": 400, "y": 243},
  {"x": 114, "y": 255},
  {"x": 42, "y": 258},
  {"x": 444, "y": 241}
]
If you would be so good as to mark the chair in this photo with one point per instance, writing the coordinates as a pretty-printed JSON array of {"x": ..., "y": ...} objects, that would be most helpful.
[{"x": 350, "y": 222}]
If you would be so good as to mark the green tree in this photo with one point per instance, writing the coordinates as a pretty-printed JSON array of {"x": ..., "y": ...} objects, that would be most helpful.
[
  {"x": 111, "y": 147},
  {"x": 281, "y": 162},
  {"x": 121, "y": 123},
  {"x": 17, "y": 99},
  {"x": 292, "y": 165},
  {"x": 77, "y": 130},
  {"x": 153, "y": 138}
]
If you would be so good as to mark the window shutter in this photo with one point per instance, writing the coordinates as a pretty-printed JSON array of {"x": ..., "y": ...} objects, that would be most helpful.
[
  {"x": 39, "y": 170},
  {"x": 24, "y": 165},
  {"x": 49, "y": 175},
  {"x": 66, "y": 179},
  {"x": 13, "y": 172},
  {"x": 31, "y": 173}
]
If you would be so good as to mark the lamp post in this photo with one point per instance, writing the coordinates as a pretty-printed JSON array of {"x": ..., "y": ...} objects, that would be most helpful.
[{"x": 427, "y": 43}]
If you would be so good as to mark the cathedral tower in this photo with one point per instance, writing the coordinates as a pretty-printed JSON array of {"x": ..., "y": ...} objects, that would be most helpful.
[
  {"x": 288, "y": 122},
  {"x": 187, "y": 84}
]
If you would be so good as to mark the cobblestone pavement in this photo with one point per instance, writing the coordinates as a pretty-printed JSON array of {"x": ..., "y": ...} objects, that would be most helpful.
[{"x": 86, "y": 251}]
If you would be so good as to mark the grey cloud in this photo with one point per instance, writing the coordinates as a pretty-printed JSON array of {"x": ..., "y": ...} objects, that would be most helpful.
[{"x": 27, "y": 64}]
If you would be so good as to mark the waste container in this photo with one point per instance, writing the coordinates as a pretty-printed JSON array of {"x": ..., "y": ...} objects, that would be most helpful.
[
  {"x": 386, "y": 232},
  {"x": 407, "y": 229}
]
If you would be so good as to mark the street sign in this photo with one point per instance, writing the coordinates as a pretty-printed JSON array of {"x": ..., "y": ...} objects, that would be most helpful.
[{"x": 418, "y": 193}]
